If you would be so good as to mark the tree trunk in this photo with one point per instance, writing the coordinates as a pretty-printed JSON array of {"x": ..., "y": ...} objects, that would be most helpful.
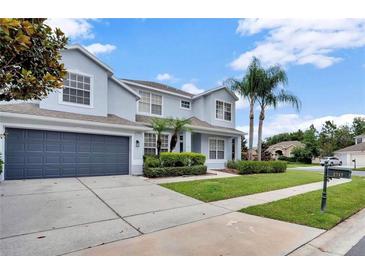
[
  {"x": 158, "y": 144},
  {"x": 173, "y": 142},
  {"x": 250, "y": 134},
  {"x": 259, "y": 137}
]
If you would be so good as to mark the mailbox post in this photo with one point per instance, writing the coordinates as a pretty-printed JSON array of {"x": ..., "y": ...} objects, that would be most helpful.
[
  {"x": 324, "y": 191},
  {"x": 330, "y": 173}
]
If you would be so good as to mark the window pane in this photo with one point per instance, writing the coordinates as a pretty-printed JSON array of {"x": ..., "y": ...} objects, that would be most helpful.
[
  {"x": 76, "y": 90},
  {"x": 150, "y": 151},
  {"x": 219, "y": 110},
  {"x": 144, "y": 102},
  {"x": 220, "y": 145},
  {"x": 220, "y": 155},
  {"x": 156, "y": 109},
  {"x": 164, "y": 142},
  {"x": 185, "y": 104},
  {"x": 212, "y": 145},
  {"x": 227, "y": 112},
  {"x": 212, "y": 155}
]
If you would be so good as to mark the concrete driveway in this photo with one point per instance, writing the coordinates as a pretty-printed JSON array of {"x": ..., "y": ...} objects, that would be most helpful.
[
  {"x": 127, "y": 215},
  {"x": 58, "y": 216}
]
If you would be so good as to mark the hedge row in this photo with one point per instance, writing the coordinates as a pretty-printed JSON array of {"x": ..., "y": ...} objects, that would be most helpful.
[
  {"x": 154, "y": 172},
  {"x": 250, "y": 167},
  {"x": 174, "y": 159}
]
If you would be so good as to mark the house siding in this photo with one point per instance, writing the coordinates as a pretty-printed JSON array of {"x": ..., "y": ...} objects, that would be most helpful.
[{"x": 77, "y": 62}]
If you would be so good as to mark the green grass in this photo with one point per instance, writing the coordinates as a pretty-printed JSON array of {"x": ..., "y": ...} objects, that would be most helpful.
[
  {"x": 359, "y": 169},
  {"x": 342, "y": 202},
  {"x": 291, "y": 165},
  {"x": 223, "y": 188}
]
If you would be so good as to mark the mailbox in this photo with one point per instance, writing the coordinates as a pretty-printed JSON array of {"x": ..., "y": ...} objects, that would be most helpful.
[{"x": 339, "y": 172}]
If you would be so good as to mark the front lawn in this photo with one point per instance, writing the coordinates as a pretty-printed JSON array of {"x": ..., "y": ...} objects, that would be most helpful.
[
  {"x": 292, "y": 165},
  {"x": 343, "y": 201},
  {"x": 359, "y": 169},
  {"x": 223, "y": 188}
]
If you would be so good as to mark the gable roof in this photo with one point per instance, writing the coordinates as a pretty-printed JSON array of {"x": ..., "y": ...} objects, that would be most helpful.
[
  {"x": 207, "y": 92},
  {"x": 100, "y": 63},
  {"x": 357, "y": 147},
  {"x": 158, "y": 86},
  {"x": 90, "y": 55},
  {"x": 286, "y": 144}
]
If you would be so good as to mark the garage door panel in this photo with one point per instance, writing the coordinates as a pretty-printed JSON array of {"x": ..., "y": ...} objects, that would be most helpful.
[{"x": 42, "y": 154}]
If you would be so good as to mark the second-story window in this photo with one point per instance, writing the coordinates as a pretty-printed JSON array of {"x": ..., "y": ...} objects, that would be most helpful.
[
  {"x": 223, "y": 110},
  {"x": 77, "y": 89},
  {"x": 150, "y": 103},
  {"x": 185, "y": 104}
]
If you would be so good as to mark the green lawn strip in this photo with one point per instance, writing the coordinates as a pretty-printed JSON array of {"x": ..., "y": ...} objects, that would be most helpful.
[
  {"x": 359, "y": 169},
  {"x": 223, "y": 188},
  {"x": 292, "y": 165},
  {"x": 343, "y": 201}
]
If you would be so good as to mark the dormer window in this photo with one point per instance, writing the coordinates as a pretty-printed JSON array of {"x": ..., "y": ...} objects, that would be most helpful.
[
  {"x": 150, "y": 103},
  {"x": 223, "y": 111},
  {"x": 77, "y": 89}
]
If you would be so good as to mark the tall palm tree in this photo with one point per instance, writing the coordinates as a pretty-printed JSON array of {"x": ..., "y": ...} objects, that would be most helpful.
[
  {"x": 159, "y": 125},
  {"x": 177, "y": 125},
  {"x": 248, "y": 88},
  {"x": 272, "y": 93}
]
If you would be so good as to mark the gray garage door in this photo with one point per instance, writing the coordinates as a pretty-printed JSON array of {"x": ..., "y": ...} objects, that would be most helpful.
[{"x": 49, "y": 154}]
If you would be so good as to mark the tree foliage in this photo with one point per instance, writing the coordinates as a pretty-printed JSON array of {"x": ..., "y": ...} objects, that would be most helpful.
[
  {"x": 30, "y": 59},
  {"x": 358, "y": 126},
  {"x": 177, "y": 125},
  {"x": 159, "y": 125}
]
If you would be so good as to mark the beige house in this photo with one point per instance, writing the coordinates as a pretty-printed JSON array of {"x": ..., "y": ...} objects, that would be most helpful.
[{"x": 284, "y": 148}]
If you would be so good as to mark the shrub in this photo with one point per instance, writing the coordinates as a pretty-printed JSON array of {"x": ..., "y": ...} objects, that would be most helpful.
[
  {"x": 1, "y": 165},
  {"x": 288, "y": 159},
  {"x": 174, "y": 171},
  {"x": 151, "y": 161},
  {"x": 177, "y": 159},
  {"x": 250, "y": 167},
  {"x": 231, "y": 164}
]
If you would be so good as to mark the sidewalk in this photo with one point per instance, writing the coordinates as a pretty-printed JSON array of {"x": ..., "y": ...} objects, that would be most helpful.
[
  {"x": 238, "y": 203},
  {"x": 337, "y": 241}
]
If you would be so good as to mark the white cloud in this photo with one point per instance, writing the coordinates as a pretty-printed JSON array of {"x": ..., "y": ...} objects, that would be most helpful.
[
  {"x": 300, "y": 41},
  {"x": 164, "y": 77},
  {"x": 98, "y": 48},
  {"x": 242, "y": 103},
  {"x": 192, "y": 88},
  {"x": 281, "y": 123},
  {"x": 73, "y": 28}
]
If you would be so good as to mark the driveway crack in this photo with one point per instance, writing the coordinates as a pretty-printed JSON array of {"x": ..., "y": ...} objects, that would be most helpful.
[{"x": 112, "y": 209}]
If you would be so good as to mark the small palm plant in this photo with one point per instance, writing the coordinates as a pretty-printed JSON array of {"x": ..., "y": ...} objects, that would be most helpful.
[
  {"x": 159, "y": 125},
  {"x": 177, "y": 125}
]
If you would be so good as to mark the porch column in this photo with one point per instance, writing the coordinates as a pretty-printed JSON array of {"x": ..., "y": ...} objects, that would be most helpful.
[
  {"x": 238, "y": 147},
  {"x": 2, "y": 148},
  {"x": 187, "y": 141}
]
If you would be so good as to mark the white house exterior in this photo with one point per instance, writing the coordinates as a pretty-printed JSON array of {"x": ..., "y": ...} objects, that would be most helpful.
[
  {"x": 353, "y": 153},
  {"x": 100, "y": 125}
]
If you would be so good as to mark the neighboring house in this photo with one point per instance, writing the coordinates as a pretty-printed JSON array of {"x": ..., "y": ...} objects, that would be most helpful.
[
  {"x": 355, "y": 152},
  {"x": 283, "y": 148},
  {"x": 99, "y": 125}
]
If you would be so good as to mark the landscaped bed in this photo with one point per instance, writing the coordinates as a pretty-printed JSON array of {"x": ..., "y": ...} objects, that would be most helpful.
[
  {"x": 224, "y": 188},
  {"x": 343, "y": 201}
]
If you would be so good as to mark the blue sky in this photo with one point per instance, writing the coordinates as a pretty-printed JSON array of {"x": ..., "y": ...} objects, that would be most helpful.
[{"x": 324, "y": 59}]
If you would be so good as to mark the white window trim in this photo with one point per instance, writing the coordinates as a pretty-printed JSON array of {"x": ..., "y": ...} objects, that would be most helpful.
[
  {"x": 216, "y": 149},
  {"x": 60, "y": 94},
  {"x": 150, "y": 113},
  {"x": 215, "y": 108},
  {"x": 163, "y": 133},
  {"x": 189, "y": 108}
]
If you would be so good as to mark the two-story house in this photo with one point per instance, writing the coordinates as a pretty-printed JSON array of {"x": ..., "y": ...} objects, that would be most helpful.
[{"x": 100, "y": 125}]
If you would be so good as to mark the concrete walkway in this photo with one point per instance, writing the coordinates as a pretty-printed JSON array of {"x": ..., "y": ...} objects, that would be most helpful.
[
  {"x": 235, "y": 204},
  {"x": 337, "y": 241},
  {"x": 230, "y": 234}
]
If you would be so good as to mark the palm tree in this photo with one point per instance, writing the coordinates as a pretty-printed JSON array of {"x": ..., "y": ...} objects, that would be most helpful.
[
  {"x": 248, "y": 88},
  {"x": 159, "y": 125},
  {"x": 177, "y": 125},
  {"x": 272, "y": 93}
]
